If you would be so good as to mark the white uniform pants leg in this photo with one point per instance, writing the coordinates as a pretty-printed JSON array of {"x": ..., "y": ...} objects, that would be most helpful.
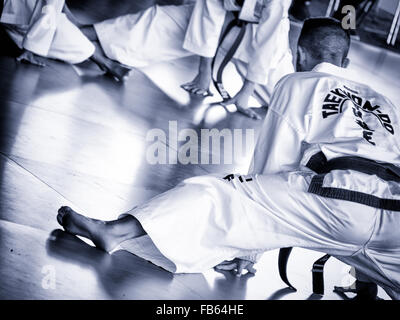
[
  {"x": 205, "y": 26},
  {"x": 147, "y": 37},
  {"x": 19, "y": 17},
  {"x": 361, "y": 236},
  {"x": 379, "y": 262},
  {"x": 43, "y": 26},
  {"x": 69, "y": 43},
  {"x": 206, "y": 220},
  {"x": 51, "y": 35}
]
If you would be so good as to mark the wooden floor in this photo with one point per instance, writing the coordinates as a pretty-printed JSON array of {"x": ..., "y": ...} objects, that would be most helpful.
[{"x": 70, "y": 136}]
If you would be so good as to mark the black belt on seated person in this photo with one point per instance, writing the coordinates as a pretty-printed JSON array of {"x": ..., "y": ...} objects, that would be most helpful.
[
  {"x": 320, "y": 165},
  {"x": 386, "y": 171}
]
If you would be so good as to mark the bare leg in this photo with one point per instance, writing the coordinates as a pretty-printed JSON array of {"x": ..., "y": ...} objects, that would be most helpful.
[
  {"x": 105, "y": 235},
  {"x": 201, "y": 83},
  {"x": 89, "y": 32},
  {"x": 115, "y": 69},
  {"x": 71, "y": 16}
]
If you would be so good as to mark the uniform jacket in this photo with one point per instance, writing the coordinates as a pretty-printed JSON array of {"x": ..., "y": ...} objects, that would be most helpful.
[{"x": 323, "y": 110}]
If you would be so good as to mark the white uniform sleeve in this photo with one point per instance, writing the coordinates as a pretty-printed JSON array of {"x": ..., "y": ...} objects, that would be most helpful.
[
  {"x": 279, "y": 146},
  {"x": 265, "y": 41}
]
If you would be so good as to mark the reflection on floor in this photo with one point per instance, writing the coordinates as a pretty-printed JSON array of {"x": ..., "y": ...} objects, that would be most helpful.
[{"x": 78, "y": 140}]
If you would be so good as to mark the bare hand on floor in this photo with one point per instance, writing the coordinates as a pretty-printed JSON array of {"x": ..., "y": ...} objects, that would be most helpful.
[{"x": 241, "y": 100}]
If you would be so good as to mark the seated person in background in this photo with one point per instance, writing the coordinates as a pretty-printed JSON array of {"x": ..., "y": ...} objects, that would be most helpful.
[
  {"x": 48, "y": 29},
  {"x": 325, "y": 176},
  {"x": 163, "y": 33}
]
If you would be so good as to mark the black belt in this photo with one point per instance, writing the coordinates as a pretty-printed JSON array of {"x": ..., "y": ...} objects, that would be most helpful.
[
  {"x": 320, "y": 165},
  {"x": 386, "y": 171},
  {"x": 317, "y": 270},
  {"x": 229, "y": 55}
]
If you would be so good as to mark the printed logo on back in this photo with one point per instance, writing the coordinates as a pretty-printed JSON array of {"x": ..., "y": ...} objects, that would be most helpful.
[{"x": 334, "y": 104}]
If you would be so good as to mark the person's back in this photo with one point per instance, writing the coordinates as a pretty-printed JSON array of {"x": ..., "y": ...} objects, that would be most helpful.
[{"x": 329, "y": 112}]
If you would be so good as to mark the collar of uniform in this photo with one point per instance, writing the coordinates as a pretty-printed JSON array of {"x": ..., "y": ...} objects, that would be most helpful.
[
  {"x": 330, "y": 68},
  {"x": 350, "y": 74}
]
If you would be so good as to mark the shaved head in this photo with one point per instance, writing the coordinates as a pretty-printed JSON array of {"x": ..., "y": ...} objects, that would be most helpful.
[{"x": 322, "y": 40}]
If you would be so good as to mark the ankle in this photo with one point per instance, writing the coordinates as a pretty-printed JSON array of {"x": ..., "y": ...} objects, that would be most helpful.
[
  {"x": 205, "y": 64},
  {"x": 116, "y": 230},
  {"x": 89, "y": 32}
]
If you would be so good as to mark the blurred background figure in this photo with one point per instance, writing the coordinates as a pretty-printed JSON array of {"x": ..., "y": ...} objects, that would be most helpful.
[
  {"x": 47, "y": 29},
  {"x": 165, "y": 33}
]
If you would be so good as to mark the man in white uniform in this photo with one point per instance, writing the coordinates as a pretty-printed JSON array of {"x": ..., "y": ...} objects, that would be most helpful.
[
  {"x": 46, "y": 28},
  {"x": 325, "y": 177},
  {"x": 163, "y": 33}
]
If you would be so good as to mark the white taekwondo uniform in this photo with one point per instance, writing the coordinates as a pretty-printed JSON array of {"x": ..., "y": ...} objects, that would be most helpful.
[
  {"x": 40, "y": 26},
  {"x": 163, "y": 33},
  {"x": 282, "y": 202}
]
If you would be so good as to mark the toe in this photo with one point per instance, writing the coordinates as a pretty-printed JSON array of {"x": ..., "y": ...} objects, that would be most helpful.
[
  {"x": 202, "y": 92},
  {"x": 61, "y": 213},
  {"x": 60, "y": 216},
  {"x": 199, "y": 91},
  {"x": 64, "y": 209},
  {"x": 187, "y": 84},
  {"x": 188, "y": 87}
]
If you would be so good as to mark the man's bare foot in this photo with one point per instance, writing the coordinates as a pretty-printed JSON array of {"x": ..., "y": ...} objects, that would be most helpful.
[
  {"x": 100, "y": 232},
  {"x": 117, "y": 71},
  {"x": 111, "y": 67},
  {"x": 31, "y": 58},
  {"x": 201, "y": 83}
]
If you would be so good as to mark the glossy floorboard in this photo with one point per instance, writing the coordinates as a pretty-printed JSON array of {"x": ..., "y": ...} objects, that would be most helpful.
[{"x": 71, "y": 138}]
